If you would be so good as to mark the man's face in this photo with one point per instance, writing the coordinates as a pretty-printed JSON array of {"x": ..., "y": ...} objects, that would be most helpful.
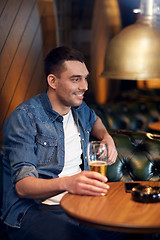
[{"x": 71, "y": 84}]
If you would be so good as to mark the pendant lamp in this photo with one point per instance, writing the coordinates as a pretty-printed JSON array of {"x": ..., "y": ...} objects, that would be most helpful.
[{"x": 134, "y": 53}]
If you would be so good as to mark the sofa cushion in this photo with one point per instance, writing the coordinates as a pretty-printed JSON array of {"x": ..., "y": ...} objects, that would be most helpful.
[{"x": 138, "y": 157}]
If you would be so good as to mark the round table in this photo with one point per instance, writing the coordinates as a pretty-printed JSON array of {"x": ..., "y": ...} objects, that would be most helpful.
[{"x": 116, "y": 211}]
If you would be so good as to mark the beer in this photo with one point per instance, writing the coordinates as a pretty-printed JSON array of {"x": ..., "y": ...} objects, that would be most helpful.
[{"x": 98, "y": 166}]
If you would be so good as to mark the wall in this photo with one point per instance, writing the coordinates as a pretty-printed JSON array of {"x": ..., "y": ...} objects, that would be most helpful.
[{"x": 22, "y": 49}]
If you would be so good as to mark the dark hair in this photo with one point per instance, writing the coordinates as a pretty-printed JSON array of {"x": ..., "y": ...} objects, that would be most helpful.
[{"x": 53, "y": 62}]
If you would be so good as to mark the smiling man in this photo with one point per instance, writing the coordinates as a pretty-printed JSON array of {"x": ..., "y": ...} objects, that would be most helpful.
[
  {"x": 67, "y": 88},
  {"x": 46, "y": 144}
]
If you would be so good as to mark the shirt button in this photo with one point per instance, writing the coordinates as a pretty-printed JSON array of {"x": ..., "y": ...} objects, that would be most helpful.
[
  {"x": 45, "y": 143},
  {"x": 61, "y": 130},
  {"x": 61, "y": 149}
]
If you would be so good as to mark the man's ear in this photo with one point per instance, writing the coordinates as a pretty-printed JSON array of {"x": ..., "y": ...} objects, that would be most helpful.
[{"x": 51, "y": 80}]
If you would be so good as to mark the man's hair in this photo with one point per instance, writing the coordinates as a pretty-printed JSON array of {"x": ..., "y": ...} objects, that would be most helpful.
[{"x": 54, "y": 61}]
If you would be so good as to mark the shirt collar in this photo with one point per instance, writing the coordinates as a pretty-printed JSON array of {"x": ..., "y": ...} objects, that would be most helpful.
[{"x": 48, "y": 107}]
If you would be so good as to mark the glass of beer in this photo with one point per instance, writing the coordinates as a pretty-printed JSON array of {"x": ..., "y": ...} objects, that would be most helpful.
[{"x": 97, "y": 153}]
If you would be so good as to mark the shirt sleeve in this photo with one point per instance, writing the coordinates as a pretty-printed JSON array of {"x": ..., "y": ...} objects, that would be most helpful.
[{"x": 19, "y": 138}]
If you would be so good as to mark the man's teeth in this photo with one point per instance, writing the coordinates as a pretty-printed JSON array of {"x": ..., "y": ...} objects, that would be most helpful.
[{"x": 80, "y": 94}]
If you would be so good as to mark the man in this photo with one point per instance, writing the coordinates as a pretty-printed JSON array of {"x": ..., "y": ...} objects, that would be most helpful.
[{"x": 46, "y": 139}]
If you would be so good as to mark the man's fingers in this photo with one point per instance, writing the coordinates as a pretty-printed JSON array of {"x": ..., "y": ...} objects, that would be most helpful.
[{"x": 88, "y": 189}]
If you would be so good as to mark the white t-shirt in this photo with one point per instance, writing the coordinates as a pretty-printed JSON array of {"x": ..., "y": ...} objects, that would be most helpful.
[{"x": 73, "y": 153}]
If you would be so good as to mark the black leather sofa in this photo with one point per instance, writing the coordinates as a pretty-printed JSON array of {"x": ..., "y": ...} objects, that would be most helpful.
[
  {"x": 138, "y": 156},
  {"x": 138, "y": 159},
  {"x": 130, "y": 113}
]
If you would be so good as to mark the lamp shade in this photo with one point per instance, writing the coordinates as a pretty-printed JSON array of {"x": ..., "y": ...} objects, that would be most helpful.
[{"x": 134, "y": 53}]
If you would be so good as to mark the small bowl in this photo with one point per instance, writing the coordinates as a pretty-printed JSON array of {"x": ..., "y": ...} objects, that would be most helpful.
[{"x": 146, "y": 194}]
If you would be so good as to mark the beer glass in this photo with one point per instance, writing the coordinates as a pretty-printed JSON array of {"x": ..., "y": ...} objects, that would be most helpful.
[{"x": 97, "y": 154}]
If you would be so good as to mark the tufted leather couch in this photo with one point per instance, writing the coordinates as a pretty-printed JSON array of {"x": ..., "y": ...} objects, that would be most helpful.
[
  {"x": 138, "y": 159},
  {"x": 127, "y": 120},
  {"x": 129, "y": 113},
  {"x": 138, "y": 156}
]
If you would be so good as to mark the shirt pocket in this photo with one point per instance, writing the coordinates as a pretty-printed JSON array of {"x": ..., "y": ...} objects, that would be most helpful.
[{"x": 46, "y": 150}]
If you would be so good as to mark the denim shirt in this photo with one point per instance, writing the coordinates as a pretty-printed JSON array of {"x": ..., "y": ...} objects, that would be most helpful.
[{"x": 34, "y": 146}]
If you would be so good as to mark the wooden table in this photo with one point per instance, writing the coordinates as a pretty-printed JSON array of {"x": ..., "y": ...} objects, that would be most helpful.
[{"x": 116, "y": 211}]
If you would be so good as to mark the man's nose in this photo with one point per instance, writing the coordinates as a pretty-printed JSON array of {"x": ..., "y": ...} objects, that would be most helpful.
[{"x": 84, "y": 84}]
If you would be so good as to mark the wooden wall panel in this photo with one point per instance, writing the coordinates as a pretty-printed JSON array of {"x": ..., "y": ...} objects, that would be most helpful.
[
  {"x": 17, "y": 37},
  {"x": 28, "y": 12},
  {"x": 2, "y": 5},
  {"x": 22, "y": 51},
  {"x": 9, "y": 10},
  {"x": 37, "y": 82},
  {"x": 25, "y": 78}
]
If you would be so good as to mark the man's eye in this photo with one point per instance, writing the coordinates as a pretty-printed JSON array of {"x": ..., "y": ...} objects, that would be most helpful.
[{"x": 75, "y": 79}]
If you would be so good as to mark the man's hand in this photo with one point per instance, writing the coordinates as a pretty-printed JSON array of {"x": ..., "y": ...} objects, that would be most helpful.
[
  {"x": 112, "y": 152},
  {"x": 100, "y": 132},
  {"x": 87, "y": 183}
]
